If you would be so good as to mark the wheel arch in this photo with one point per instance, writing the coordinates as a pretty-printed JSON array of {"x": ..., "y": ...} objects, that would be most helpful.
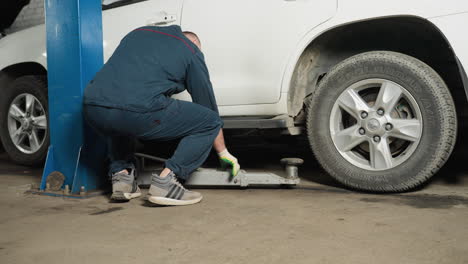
[
  {"x": 10, "y": 73},
  {"x": 413, "y": 36},
  {"x": 24, "y": 68}
]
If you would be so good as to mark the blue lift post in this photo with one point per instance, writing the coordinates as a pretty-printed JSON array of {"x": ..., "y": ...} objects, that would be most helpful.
[{"x": 74, "y": 55}]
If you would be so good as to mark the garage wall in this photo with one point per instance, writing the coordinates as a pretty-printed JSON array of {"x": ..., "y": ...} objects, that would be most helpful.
[{"x": 30, "y": 15}]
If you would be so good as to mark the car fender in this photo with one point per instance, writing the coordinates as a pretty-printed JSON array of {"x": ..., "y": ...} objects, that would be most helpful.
[
  {"x": 450, "y": 26},
  {"x": 28, "y": 45},
  {"x": 350, "y": 12}
]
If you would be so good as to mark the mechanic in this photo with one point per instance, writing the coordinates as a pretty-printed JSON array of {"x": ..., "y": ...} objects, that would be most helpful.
[{"x": 130, "y": 97}]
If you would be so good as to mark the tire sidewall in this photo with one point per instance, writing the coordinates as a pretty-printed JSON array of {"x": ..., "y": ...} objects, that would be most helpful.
[
  {"x": 31, "y": 85},
  {"x": 405, "y": 73}
]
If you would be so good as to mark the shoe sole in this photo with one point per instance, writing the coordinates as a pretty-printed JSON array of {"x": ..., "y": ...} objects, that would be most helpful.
[
  {"x": 168, "y": 201},
  {"x": 121, "y": 196}
]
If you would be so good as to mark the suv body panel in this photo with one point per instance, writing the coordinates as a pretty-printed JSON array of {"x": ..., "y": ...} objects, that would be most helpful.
[{"x": 30, "y": 45}]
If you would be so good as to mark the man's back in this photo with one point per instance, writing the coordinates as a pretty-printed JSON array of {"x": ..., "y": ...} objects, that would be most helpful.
[{"x": 149, "y": 64}]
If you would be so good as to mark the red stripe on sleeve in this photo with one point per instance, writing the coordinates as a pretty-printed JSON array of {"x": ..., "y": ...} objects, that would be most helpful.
[{"x": 163, "y": 33}]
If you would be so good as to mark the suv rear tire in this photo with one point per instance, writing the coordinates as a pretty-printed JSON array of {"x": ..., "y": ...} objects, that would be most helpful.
[
  {"x": 29, "y": 146},
  {"x": 382, "y": 122}
]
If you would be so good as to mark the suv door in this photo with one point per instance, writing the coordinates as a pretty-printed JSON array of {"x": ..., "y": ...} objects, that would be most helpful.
[
  {"x": 247, "y": 43},
  {"x": 122, "y": 16}
]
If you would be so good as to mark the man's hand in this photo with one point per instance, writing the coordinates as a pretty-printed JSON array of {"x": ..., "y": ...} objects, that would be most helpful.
[{"x": 227, "y": 160}]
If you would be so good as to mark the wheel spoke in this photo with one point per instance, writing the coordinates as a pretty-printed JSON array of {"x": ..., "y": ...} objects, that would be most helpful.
[
  {"x": 380, "y": 155},
  {"x": 17, "y": 136},
  {"x": 21, "y": 138},
  {"x": 407, "y": 129},
  {"x": 16, "y": 113},
  {"x": 34, "y": 141},
  {"x": 348, "y": 139},
  {"x": 352, "y": 103},
  {"x": 30, "y": 99},
  {"x": 40, "y": 122},
  {"x": 389, "y": 95}
]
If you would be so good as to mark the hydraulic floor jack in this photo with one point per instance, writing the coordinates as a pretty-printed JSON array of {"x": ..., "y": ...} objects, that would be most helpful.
[{"x": 214, "y": 177}]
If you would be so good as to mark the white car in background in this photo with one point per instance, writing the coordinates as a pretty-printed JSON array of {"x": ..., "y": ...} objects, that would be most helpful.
[{"x": 377, "y": 86}]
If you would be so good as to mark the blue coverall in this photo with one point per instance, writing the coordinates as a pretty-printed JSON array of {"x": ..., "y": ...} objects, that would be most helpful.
[{"x": 130, "y": 97}]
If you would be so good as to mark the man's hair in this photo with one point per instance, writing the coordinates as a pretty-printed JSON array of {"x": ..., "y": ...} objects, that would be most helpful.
[{"x": 192, "y": 35}]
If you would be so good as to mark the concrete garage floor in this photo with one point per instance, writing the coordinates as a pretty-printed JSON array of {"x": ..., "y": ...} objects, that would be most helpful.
[{"x": 317, "y": 222}]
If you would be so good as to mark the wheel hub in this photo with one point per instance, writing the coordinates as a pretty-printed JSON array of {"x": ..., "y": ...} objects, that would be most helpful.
[
  {"x": 27, "y": 124},
  {"x": 373, "y": 125}
]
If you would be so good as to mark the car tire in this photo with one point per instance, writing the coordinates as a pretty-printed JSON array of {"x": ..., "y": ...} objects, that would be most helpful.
[
  {"x": 33, "y": 142},
  {"x": 400, "y": 156},
  {"x": 5, "y": 80}
]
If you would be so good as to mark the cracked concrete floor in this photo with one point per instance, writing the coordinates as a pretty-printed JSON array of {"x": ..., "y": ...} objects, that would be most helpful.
[{"x": 317, "y": 222}]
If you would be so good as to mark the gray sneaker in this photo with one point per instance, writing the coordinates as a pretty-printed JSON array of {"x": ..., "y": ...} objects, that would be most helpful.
[
  {"x": 168, "y": 191},
  {"x": 124, "y": 186}
]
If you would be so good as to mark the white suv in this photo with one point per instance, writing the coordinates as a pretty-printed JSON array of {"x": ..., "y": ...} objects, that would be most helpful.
[{"x": 372, "y": 83}]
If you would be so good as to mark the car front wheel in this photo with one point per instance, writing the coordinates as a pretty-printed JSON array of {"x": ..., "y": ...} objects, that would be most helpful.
[
  {"x": 23, "y": 120},
  {"x": 382, "y": 121}
]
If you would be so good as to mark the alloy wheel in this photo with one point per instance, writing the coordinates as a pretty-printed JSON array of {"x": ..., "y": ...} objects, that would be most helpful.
[
  {"x": 27, "y": 123},
  {"x": 376, "y": 124}
]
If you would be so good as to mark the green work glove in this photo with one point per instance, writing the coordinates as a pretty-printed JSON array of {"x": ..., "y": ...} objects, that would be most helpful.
[{"x": 227, "y": 160}]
